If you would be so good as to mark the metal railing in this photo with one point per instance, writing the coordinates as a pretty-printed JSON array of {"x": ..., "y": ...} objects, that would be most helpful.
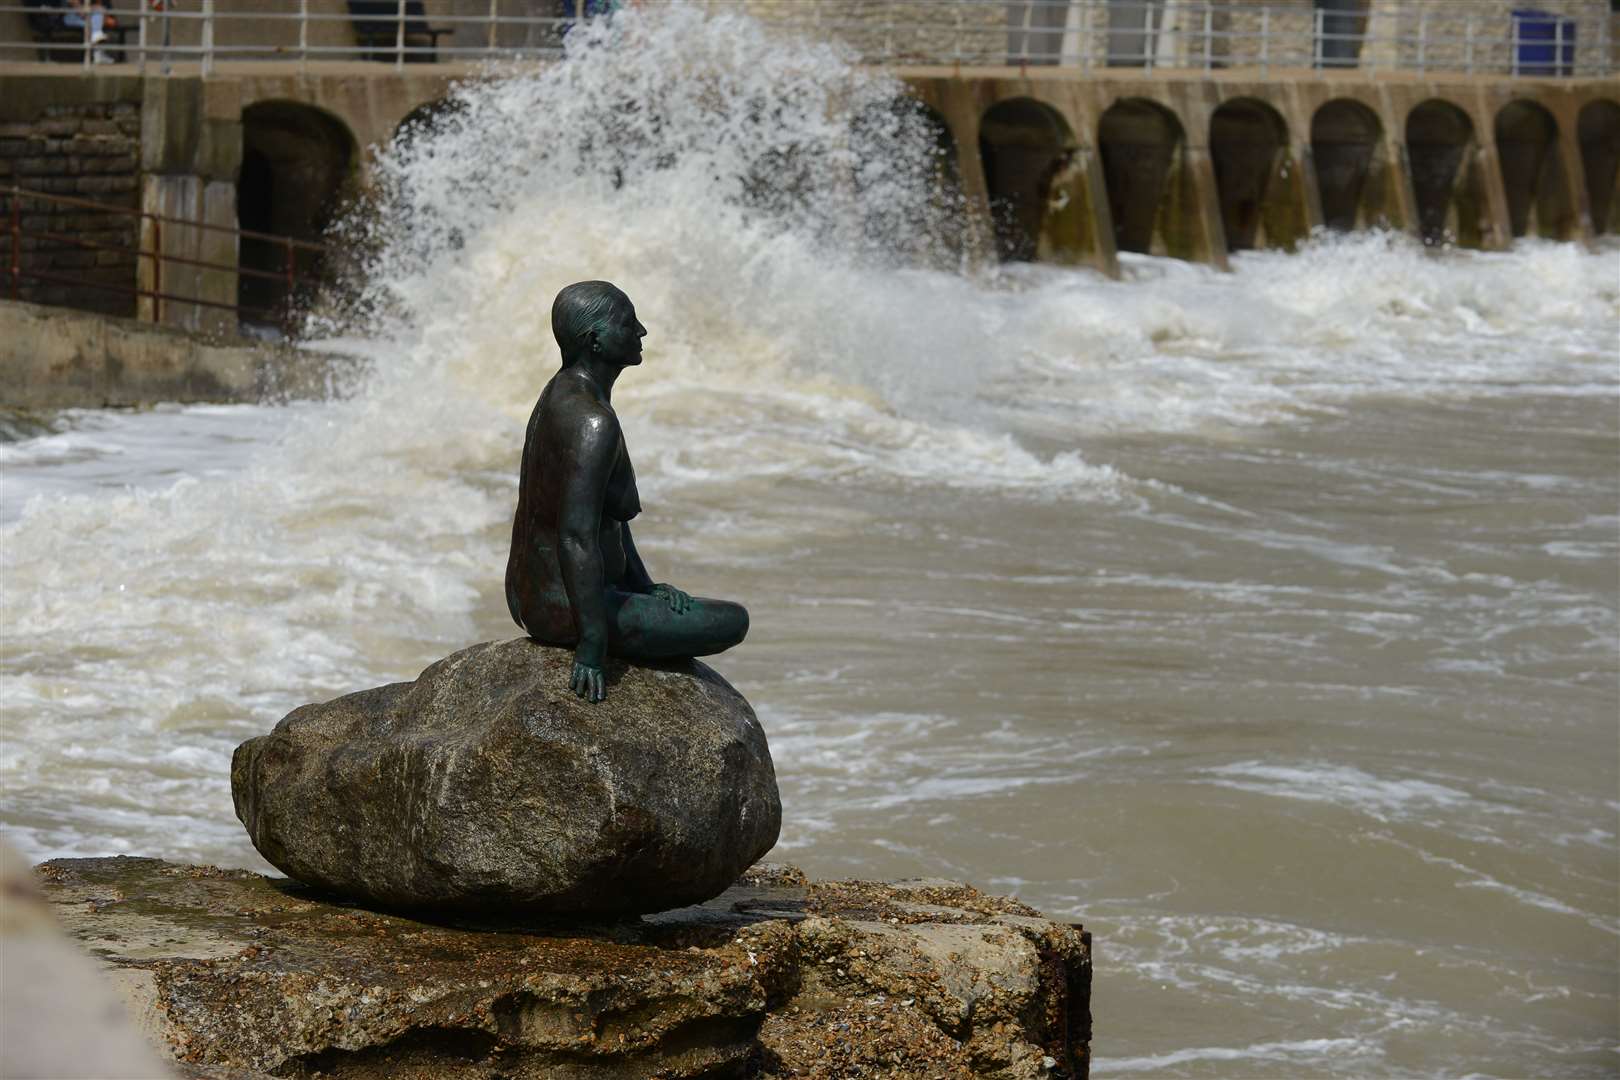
[
  {"x": 1416, "y": 36},
  {"x": 23, "y": 225}
]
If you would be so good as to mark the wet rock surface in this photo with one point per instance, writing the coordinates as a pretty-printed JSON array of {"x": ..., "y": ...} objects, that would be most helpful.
[
  {"x": 486, "y": 786},
  {"x": 242, "y": 976}
]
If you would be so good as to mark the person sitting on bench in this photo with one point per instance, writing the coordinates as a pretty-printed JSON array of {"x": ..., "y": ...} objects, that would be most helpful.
[{"x": 100, "y": 18}]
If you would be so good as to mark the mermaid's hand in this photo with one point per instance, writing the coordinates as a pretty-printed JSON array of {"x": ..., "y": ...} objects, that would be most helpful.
[
  {"x": 678, "y": 601},
  {"x": 588, "y": 682}
]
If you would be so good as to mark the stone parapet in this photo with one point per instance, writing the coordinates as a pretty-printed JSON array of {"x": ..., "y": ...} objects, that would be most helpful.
[{"x": 57, "y": 358}]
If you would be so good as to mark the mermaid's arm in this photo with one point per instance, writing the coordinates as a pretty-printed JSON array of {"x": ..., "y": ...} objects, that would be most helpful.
[{"x": 579, "y": 541}]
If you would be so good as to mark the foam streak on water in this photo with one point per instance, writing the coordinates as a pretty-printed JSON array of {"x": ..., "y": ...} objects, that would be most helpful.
[{"x": 1265, "y": 621}]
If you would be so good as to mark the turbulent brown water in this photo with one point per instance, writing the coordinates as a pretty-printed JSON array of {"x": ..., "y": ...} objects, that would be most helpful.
[{"x": 1267, "y": 622}]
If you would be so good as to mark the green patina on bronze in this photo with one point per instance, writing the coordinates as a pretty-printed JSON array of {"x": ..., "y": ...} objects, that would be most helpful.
[{"x": 574, "y": 577}]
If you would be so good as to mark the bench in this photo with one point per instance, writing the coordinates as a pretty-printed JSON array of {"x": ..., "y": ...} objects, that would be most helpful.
[
  {"x": 45, "y": 23},
  {"x": 376, "y": 28}
]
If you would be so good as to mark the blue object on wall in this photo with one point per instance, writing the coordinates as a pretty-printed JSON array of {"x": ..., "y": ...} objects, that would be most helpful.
[{"x": 1544, "y": 43}]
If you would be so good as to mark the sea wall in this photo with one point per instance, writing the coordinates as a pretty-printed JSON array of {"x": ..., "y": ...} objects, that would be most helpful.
[
  {"x": 1057, "y": 163},
  {"x": 52, "y": 357},
  {"x": 1074, "y": 169}
]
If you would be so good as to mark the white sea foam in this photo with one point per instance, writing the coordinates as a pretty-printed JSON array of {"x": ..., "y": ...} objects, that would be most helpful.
[
  {"x": 1339, "y": 785},
  {"x": 1304, "y": 1052}
]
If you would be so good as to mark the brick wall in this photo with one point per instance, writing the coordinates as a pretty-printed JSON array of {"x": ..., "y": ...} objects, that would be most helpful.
[{"x": 90, "y": 151}]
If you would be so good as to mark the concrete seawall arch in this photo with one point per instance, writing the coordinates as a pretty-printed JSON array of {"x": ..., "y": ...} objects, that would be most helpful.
[
  {"x": 425, "y": 119},
  {"x": 1537, "y": 195},
  {"x": 1147, "y": 173},
  {"x": 1598, "y": 130},
  {"x": 1352, "y": 168},
  {"x": 300, "y": 164},
  {"x": 1027, "y": 149},
  {"x": 1447, "y": 181},
  {"x": 1261, "y": 202}
]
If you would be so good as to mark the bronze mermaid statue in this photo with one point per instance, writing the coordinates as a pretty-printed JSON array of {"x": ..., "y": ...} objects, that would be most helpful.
[{"x": 574, "y": 577}]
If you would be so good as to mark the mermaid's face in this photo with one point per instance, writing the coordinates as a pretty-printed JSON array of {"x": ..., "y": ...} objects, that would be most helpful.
[{"x": 619, "y": 335}]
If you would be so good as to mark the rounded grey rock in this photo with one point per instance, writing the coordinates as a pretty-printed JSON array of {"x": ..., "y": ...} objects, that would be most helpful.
[{"x": 487, "y": 786}]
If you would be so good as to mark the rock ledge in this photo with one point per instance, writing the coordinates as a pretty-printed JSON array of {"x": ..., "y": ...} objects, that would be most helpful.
[{"x": 242, "y": 977}]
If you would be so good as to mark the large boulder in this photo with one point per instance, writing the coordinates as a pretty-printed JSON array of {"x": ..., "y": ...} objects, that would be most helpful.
[{"x": 486, "y": 786}]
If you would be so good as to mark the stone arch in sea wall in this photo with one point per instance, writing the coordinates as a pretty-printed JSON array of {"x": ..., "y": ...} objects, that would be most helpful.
[
  {"x": 1254, "y": 176},
  {"x": 1149, "y": 179},
  {"x": 299, "y": 165},
  {"x": 1442, "y": 156},
  {"x": 1598, "y": 133},
  {"x": 946, "y": 191},
  {"x": 1174, "y": 161},
  {"x": 1351, "y": 166},
  {"x": 1538, "y": 202},
  {"x": 426, "y": 119},
  {"x": 1028, "y": 152},
  {"x": 929, "y": 234}
]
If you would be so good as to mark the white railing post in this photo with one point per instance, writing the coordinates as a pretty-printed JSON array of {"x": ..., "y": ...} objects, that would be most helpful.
[
  {"x": 1423, "y": 41},
  {"x": 1468, "y": 42},
  {"x": 1605, "y": 47},
  {"x": 85, "y": 37},
  {"x": 141, "y": 38},
  {"x": 303, "y": 35},
  {"x": 1088, "y": 37},
  {"x": 399, "y": 36},
  {"x": 1513, "y": 56},
  {"x": 1265, "y": 41},
  {"x": 1209, "y": 28},
  {"x": 1320, "y": 47},
  {"x": 1558, "y": 46},
  {"x": 208, "y": 37},
  {"x": 168, "y": 40},
  {"x": 1150, "y": 40}
]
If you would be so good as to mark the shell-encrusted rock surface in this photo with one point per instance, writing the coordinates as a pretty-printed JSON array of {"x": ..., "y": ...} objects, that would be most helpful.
[
  {"x": 486, "y": 786},
  {"x": 241, "y": 977}
]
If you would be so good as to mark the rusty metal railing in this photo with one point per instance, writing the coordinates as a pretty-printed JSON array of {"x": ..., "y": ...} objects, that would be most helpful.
[{"x": 291, "y": 274}]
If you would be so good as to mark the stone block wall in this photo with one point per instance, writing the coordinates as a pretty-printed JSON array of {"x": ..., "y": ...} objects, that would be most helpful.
[
  {"x": 87, "y": 150},
  {"x": 1411, "y": 35},
  {"x": 1181, "y": 34},
  {"x": 1278, "y": 35},
  {"x": 900, "y": 31},
  {"x": 1445, "y": 28}
]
